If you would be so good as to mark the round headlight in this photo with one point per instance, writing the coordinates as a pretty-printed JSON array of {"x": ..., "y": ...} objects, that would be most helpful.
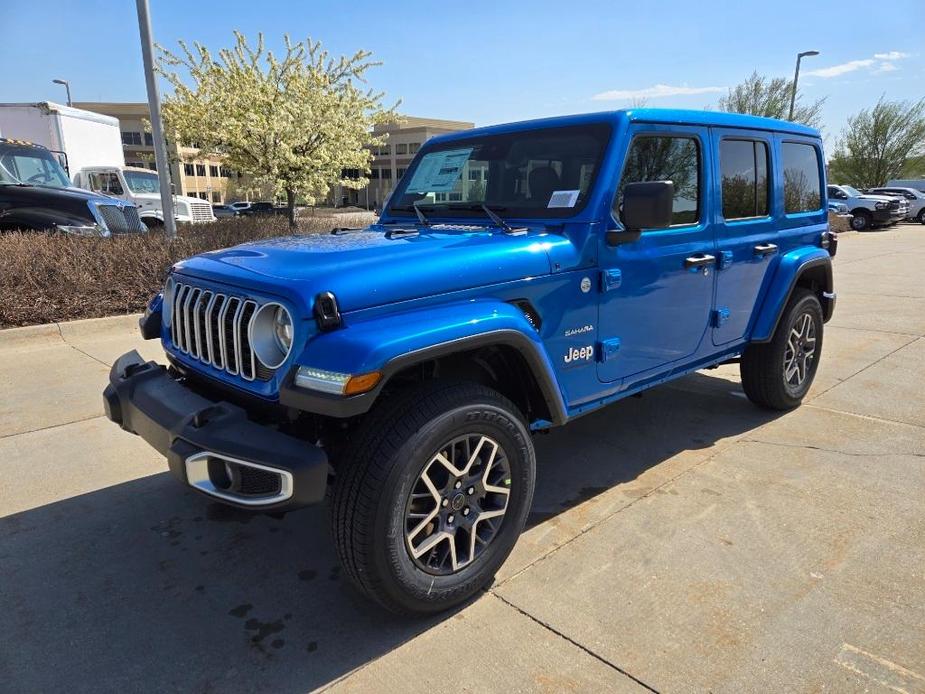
[
  {"x": 271, "y": 332},
  {"x": 282, "y": 329}
]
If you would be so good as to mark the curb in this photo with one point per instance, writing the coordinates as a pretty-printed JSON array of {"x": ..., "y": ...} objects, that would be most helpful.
[{"x": 50, "y": 334}]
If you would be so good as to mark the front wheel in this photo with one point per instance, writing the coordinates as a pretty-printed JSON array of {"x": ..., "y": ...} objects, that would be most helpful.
[
  {"x": 431, "y": 495},
  {"x": 920, "y": 218},
  {"x": 779, "y": 373},
  {"x": 861, "y": 220}
]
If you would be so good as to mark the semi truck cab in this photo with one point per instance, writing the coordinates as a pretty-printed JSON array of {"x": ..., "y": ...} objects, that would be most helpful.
[{"x": 142, "y": 188}]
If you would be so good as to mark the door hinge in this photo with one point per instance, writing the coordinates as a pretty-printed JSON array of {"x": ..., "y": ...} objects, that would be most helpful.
[
  {"x": 608, "y": 348},
  {"x": 724, "y": 260},
  {"x": 720, "y": 316},
  {"x": 611, "y": 278}
]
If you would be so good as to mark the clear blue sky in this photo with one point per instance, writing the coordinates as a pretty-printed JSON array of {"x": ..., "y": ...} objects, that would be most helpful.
[{"x": 492, "y": 62}]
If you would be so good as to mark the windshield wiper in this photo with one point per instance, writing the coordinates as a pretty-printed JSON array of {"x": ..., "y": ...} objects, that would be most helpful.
[
  {"x": 417, "y": 210},
  {"x": 508, "y": 229}
]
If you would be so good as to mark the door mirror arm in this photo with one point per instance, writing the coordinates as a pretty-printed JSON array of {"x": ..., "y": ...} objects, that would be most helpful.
[{"x": 618, "y": 236}]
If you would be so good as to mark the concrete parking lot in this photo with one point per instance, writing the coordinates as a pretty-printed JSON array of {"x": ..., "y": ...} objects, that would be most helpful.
[{"x": 679, "y": 541}]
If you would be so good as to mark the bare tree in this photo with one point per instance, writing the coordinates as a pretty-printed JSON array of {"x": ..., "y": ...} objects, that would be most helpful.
[
  {"x": 770, "y": 96},
  {"x": 887, "y": 141}
]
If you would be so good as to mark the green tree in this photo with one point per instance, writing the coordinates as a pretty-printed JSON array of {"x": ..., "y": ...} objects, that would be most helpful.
[
  {"x": 884, "y": 142},
  {"x": 770, "y": 97},
  {"x": 296, "y": 123}
]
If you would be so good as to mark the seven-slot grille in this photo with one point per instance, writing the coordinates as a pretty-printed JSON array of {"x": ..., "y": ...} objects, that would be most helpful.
[
  {"x": 121, "y": 219},
  {"x": 213, "y": 328}
]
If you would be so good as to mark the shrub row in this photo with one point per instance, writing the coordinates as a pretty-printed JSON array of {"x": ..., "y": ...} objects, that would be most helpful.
[{"x": 47, "y": 277}]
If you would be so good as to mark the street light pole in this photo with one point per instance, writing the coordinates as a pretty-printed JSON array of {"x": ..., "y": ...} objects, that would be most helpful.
[
  {"x": 796, "y": 76},
  {"x": 67, "y": 86},
  {"x": 157, "y": 127}
]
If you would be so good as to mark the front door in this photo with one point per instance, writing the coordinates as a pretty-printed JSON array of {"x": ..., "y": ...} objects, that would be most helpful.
[
  {"x": 657, "y": 291},
  {"x": 746, "y": 233}
]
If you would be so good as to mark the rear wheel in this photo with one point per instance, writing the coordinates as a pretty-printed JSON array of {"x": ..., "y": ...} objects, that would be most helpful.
[
  {"x": 432, "y": 494},
  {"x": 779, "y": 373}
]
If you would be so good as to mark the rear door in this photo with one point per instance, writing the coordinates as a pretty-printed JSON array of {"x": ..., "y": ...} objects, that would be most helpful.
[
  {"x": 657, "y": 291},
  {"x": 745, "y": 229}
]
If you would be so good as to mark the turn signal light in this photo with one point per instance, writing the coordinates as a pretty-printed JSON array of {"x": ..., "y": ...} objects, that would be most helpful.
[{"x": 362, "y": 383}]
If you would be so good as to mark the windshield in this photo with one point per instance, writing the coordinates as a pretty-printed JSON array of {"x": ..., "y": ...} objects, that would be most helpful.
[
  {"x": 853, "y": 192},
  {"x": 25, "y": 164},
  {"x": 142, "y": 182},
  {"x": 533, "y": 173}
]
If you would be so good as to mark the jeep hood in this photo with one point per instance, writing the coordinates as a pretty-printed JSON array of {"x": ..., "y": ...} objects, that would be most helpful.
[{"x": 366, "y": 268}]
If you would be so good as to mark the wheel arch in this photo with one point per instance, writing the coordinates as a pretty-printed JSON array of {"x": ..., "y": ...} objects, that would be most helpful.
[
  {"x": 811, "y": 270},
  {"x": 488, "y": 342},
  {"x": 505, "y": 360}
]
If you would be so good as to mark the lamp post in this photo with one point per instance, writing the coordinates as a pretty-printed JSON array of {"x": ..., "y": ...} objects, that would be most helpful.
[
  {"x": 67, "y": 86},
  {"x": 157, "y": 126},
  {"x": 796, "y": 76}
]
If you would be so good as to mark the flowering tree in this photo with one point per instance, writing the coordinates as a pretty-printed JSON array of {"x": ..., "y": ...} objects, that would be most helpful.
[{"x": 294, "y": 122}]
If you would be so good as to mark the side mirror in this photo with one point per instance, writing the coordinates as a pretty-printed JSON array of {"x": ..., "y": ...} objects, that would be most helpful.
[{"x": 646, "y": 205}]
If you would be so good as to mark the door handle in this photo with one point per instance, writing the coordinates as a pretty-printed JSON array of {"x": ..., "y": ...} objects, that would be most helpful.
[
  {"x": 765, "y": 249},
  {"x": 699, "y": 260}
]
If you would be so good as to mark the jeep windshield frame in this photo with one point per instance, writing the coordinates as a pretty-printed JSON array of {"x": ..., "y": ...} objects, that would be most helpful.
[{"x": 536, "y": 173}]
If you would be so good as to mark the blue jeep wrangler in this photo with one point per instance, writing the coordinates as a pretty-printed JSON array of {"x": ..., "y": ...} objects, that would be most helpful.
[{"x": 520, "y": 276}]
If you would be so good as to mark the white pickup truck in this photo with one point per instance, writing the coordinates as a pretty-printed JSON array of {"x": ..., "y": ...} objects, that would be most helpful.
[{"x": 868, "y": 210}]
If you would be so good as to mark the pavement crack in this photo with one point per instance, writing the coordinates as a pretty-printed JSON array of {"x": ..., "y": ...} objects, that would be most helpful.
[
  {"x": 50, "y": 426},
  {"x": 78, "y": 349},
  {"x": 860, "y": 371},
  {"x": 575, "y": 643},
  {"x": 827, "y": 450}
]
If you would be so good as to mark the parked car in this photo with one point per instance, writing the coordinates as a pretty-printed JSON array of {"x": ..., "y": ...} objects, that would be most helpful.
[
  {"x": 915, "y": 183},
  {"x": 868, "y": 211},
  {"x": 915, "y": 199},
  {"x": 409, "y": 363},
  {"x": 239, "y": 205},
  {"x": 260, "y": 208},
  {"x": 224, "y": 211},
  {"x": 35, "y": 196}
]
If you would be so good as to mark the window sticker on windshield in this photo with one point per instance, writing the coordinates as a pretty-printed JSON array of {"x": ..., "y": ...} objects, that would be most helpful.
[
  {"x": 438, "y": 171},
  {"x": 563, "y": 198}
]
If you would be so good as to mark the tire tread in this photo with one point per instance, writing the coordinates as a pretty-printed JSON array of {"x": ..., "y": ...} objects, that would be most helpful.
[{"x": 367, "y": 462}]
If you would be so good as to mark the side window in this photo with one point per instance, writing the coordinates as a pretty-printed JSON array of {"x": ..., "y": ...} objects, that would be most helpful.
[
  {"x": 105, "y": 183},
  {"x": 802, "y": 184},
  {"x": 743, "y": 166},
  {"x": 666, "y": 158}
]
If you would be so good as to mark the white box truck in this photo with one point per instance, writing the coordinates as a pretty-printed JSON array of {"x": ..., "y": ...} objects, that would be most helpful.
[{"x": 90, "y": 145}]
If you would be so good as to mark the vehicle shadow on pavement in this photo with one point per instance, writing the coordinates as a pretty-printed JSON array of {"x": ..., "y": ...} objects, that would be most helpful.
[
  {"x": 147, "y": 586},
  {"x": 616, "y": 444}
]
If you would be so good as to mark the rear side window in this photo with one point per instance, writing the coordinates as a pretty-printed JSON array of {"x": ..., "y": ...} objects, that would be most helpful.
[
  {"x": 802, "y": 181},
  {"x": 668, "y": 158},
  {"x": 744, "y": 168}
]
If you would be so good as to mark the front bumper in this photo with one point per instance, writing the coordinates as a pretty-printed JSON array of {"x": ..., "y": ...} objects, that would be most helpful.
[
  {"x": 882, "y": 216},
  {"x": 213, "y": 446}
]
